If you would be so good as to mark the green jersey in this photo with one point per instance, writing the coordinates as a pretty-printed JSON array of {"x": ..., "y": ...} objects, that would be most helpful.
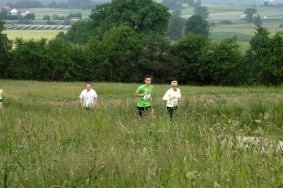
[{"x": 144, "y": 100}]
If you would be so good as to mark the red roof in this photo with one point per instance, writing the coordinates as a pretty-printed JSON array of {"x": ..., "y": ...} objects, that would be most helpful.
[{"x": 4, "y": 7}]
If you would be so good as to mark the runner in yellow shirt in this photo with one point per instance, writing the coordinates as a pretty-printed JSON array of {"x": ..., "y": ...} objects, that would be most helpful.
[
  {"x": 173, "y": 97},
  {"x": 1, "y": 98}
]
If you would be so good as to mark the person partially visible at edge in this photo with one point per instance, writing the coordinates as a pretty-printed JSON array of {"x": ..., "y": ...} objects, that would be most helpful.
[
  {"x": 144, "y": 94},
  {"x": 173, "y": 97},
  {"x": 88, "y": 97},
  {"x": 1, "y": 98}
]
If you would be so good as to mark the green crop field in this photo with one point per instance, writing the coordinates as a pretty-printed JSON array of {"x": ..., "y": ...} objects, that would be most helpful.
[
  {"x": 243, "y": 31},
  {"x": 220, "y": 137},
  {"x": 32, "y": 34},
  {"x": 222, "y": 12}
]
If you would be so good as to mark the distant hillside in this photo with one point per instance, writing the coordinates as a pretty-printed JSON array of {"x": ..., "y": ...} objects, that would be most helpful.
[
  {"x": 3, "y": 2},
  {"x": 227, "y": 2},
  {"x": 63, "y": 4},
  {"x": 239, "y": 2}
]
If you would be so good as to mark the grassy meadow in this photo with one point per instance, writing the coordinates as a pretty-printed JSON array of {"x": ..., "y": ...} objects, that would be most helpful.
[{"x": 47, "y": 140}]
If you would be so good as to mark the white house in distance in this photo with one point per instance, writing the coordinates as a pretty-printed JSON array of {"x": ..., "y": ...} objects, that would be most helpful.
[
  {"x": 24, "y": 12},
  {"x": 14, "y": 11},
  {"x": 243, "y": 16}
]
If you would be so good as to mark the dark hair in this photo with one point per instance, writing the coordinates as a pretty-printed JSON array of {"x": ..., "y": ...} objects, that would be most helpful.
[
  {"x": 88, "y": 83},
  {"x": 147, "y": 76}
]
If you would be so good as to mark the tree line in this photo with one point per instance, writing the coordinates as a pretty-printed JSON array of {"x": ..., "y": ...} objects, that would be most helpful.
[{"x": 124, "y": 40}]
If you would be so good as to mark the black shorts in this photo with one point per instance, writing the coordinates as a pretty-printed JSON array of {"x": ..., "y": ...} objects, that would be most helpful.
[
  {"x": 171, "y": 110},
  {"x": 143, "y": 110}
]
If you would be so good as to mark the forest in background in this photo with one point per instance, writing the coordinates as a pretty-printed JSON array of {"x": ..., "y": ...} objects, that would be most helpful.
[{"x": 127, "y": 40}]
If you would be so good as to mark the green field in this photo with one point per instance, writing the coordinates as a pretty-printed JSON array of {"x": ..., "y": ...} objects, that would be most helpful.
[
  {"x": 32, "y": 34},
  {"x": 47, "y": 140},
  {"x": 238, "y": 28},
  {"x": 222, "y": 12}
]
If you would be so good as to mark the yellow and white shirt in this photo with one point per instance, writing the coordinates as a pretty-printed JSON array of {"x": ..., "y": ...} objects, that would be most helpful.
[{"x": 170, "y": 93}]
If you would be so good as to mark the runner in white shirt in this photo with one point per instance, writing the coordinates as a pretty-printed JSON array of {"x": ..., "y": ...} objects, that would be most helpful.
[
  {"x": 173, "y": 97},
  {"x": 88, "y": 97},
  {"x": 1, "y": 98}
]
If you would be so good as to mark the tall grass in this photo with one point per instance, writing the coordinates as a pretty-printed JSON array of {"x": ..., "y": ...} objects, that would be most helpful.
[{"x": 47, "y": 140}]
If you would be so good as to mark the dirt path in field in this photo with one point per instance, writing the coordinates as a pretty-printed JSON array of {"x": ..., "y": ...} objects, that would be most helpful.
[
  {"x": 235, "y": 98},
  {"x": 263, "y": 144}
]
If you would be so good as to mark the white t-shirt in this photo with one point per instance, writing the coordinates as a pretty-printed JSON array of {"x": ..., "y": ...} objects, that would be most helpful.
[
  {"x": 88, "y": 97},
  {"x": 171, "y": 93}
]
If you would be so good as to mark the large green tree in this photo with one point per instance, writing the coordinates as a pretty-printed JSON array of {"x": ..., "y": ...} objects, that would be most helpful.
[
  {"x": 122, "y": 47},
  {"x": 249, "y": 12},
  {"x": 257, "y": 20},
  {"x": 202, "y": 11},
  {"x": 188, "y": 49},
  {"x": 63, "y": 59},
  {"x": 142, "y": 16},
  {"x": 265, "y": 57},
  {"x": 176, "y": 27},
  {"x": 93, "y": 68},
  {"x": 157, "y": 59},
  {"x": 197, "y": 25},
  {"x": 221, "y": 63},
  {"x": 29, "y": 60},
  {"x": 41, "y": 60},
  {"x": 80, "y": 32},
  {"x": 259, "y": 48},
  {"x": 5, "y": 48},
  {"x": 272, "y": 69},
  {"x": 115, "y": 57},
  {"x": 29, "y": 16}
]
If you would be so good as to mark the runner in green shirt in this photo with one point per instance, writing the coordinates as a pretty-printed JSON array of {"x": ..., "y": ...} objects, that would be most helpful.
[{"x": 144, "y": 94}]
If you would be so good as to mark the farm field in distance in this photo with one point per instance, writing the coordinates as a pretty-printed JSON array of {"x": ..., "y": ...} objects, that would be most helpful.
[
  {"x": 224, "y": 136},
  {"x": 40, "y": 12},
  {"x": 219, "y": 31},
  {"x": 32, "y": 34},
  {"x": 243, "y": 31},
  {"x": 44, "y": 33}
]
